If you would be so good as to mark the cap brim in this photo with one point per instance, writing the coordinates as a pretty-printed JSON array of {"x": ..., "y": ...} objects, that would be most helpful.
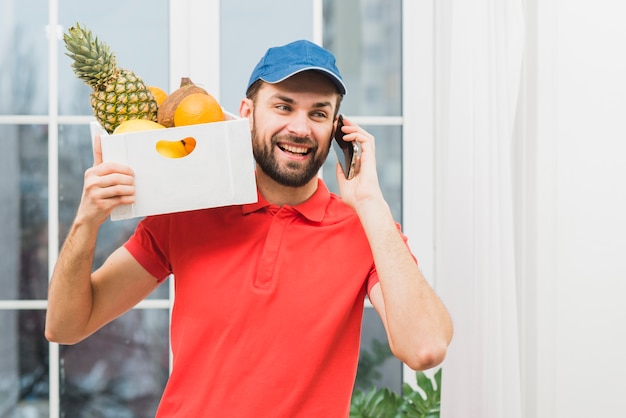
[{"x": 279, "y": 76}]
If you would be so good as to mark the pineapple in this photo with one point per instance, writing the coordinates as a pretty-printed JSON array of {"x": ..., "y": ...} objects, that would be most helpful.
[{"x": 118, "y": 94}]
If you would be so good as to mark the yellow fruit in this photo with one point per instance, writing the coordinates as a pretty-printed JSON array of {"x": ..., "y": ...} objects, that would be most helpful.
[
  {"x": 165, "y": 112},
  {"x": 198, "y": 108},
  {"x": 136, "y": 125},
  {"x": 159, "y": 94},
  {"x": 176, "y": 149}
]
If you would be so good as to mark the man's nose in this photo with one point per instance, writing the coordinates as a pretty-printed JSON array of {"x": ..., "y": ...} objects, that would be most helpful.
[{"x": 299, "y": 125}]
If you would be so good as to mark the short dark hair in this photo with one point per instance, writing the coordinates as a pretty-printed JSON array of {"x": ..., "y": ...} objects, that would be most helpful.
[{"x": 253, "y": 90}]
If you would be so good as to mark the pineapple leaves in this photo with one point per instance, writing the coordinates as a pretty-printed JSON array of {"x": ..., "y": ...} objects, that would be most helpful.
[
  {"x": 92, "y": 59},
  {"x": 117, "y": 94}
]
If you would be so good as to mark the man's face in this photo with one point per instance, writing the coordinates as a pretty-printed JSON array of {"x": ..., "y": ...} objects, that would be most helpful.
[{"x": 292, "y": 126}]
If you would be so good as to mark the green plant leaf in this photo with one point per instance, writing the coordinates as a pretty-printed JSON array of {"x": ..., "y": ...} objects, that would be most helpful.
[
  {"x": 377, "y": 403},
  {"x": 370, "y": 361},
  {"x": 383, "y": 403},
  {"x": 420, "y": 405}
]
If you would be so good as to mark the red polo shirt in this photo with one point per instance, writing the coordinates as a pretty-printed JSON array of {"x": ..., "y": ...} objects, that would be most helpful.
[{"x": 268, "y": 307}]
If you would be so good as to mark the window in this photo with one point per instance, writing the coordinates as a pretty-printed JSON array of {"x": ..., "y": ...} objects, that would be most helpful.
[
  {"x": 44, "y": 134},
  {"x": 44, "y": 112},
  {"x": 366, "y": 38}
]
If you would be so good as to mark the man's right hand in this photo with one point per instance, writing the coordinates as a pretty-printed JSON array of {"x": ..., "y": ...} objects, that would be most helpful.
[{"x": 106, "y": 186}]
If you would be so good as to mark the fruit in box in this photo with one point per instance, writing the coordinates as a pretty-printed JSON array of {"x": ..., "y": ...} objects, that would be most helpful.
[
  {"x": 136, "y": 125},
  {"x": 176, "y": 149},
  {"x": 198, "y": 108},
  {"x": 189, "y": 104},
  {"x": 118, "y": 94},
  {"x": 159, "y": 95}
]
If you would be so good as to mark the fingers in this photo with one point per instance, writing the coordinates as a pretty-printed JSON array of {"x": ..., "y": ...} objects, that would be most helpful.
[
  {"x": 106, "y": 186},
  {"x": 107, "y": 180},
  {"x": 110, "y": 178},
  {"x": 354, "y": 132},
  {"x": 109, "y": 169}
]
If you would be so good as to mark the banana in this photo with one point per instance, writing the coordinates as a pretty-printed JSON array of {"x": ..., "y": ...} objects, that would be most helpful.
[
  {"x": 168, "y": 149},
  {"x": 176, "y": 149}
]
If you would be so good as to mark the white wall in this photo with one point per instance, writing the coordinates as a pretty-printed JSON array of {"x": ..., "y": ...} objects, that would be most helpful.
[
  {"x": 591, "y": 336},
  {"x": 571, "y": 202}
]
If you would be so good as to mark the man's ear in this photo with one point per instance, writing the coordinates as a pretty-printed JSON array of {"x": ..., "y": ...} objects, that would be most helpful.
[{"x": 246, "y": 110}]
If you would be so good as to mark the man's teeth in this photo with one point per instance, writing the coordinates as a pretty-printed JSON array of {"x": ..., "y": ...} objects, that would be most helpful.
[{"x": 293, "y": 149}]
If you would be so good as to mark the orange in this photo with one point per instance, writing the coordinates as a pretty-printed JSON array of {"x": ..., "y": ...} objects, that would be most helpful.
[
  {"x": 159, "y": 94},
  {"x": 198, "y": 108},
  {"x": 189, "y": 143}
]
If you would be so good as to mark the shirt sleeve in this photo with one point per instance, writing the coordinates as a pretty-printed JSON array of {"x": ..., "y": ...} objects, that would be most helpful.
[
  {"x": 148, "y": 246},
  {"x": 372, "y": 279},
  {"x": 373, "y": 276}
]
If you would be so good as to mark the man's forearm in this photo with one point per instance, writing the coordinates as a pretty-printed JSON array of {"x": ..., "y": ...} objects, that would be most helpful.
[
  {"x": 418, "y": 325},
  {"x": 70, "y": 295}
]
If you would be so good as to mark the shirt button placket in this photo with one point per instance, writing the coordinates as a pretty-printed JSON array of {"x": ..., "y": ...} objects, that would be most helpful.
[{"x": 266, "y": 275}]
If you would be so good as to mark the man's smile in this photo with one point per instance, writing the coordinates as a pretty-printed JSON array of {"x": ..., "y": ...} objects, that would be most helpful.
[{"x": 293, "y": 149}]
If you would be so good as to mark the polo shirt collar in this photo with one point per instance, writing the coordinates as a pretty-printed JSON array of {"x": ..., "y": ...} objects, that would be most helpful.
[{"x": 313, "y": 208}]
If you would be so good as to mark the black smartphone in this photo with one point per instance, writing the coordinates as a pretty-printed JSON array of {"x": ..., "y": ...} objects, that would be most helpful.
[{"x": 346, "y": 151}]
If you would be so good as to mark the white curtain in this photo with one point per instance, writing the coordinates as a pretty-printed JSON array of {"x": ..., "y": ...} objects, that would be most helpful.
[{"x": 479, "y": 46}]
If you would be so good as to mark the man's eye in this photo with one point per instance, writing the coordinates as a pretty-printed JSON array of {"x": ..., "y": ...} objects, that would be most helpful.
[{"x": 284, "y": 108}]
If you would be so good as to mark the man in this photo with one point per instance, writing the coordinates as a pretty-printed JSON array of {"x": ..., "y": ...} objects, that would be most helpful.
[{"x": 269, "y": 296}]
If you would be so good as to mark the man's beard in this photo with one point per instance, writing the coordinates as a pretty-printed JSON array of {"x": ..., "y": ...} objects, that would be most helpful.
[{"x": 293, "y": 173}]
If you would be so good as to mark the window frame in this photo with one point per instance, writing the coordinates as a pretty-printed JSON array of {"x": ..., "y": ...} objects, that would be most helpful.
[{"x": 195, "y": 26}]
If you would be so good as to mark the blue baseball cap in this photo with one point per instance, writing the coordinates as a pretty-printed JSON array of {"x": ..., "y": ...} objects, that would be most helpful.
[{"x": 282, "y": 62}]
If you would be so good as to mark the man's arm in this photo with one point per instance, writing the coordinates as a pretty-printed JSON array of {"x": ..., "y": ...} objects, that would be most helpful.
[
  {"x": 80, "y": 302},
  {"x": 418, "y": 325}
]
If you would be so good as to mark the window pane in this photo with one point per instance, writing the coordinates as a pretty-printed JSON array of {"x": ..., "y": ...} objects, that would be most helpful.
[
  {"x": 24, "y": 226},
  {"x": 377, "y": 365},
  {"x": 9, "y": 209},
  {"x": 23, "y": 364},
  {"x": 24, "y": 57},
  {"x": 136, "y": 31},
  {"x": 266, "y": 24},
  {"x": 388, "y": 164},
  {"x": 366, "y": 37},
  {"x": 75, "y": 156},
  {"x": 120, "y": 371},
  {"x": 33, "y": 145}
]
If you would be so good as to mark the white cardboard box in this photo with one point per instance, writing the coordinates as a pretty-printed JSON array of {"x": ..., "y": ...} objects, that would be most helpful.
[{"x": 219, "y": 171}]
